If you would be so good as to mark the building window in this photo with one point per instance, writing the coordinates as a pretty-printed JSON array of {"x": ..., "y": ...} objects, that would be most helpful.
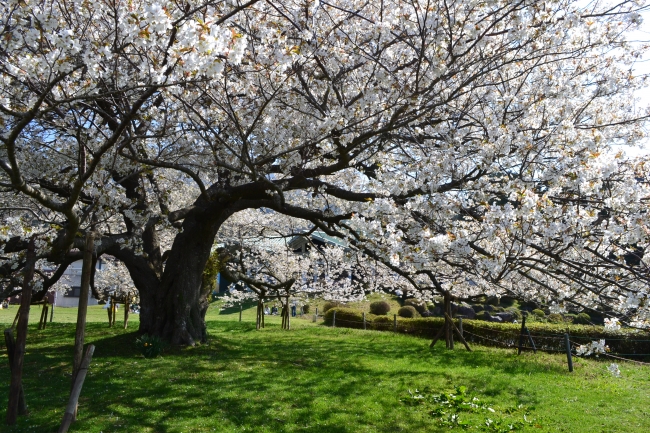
[{"x": 74, "y": 292}]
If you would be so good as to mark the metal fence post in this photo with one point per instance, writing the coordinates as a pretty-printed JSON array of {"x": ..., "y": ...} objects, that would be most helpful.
[
  {"x": 395, "y": 322},
  {"x": 240, "y": 309},
  {"x": 568, "y": 352},
  {"x": 334, "y": 319},
  {"x": 364, "y": 321}
]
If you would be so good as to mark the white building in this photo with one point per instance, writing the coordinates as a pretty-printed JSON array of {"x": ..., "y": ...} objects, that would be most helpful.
[{"x": 72, "y": 277}]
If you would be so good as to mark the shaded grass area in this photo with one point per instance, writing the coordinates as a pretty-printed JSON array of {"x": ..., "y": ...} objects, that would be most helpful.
[{"x": 310, "y": 379}]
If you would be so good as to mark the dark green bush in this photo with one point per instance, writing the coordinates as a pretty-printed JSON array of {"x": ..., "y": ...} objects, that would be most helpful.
[
  {"x": 419, "y": 305},
  {"x": 507, "y": 302},
  {"x": 431, "y": 306},
  {"x": 569, "y": 317},
  {"x": 555, "y": 318},
  {"x": 407, "y": 311},
  {"x": 482, "y": 315},
  {"x": 379, "y": 308},
  {"x": 305, "y": 309},
  {"x": 582, "y": 319},
  {"x": 539, "y": 313},
  {"x": 149, "y": 346},
  {"x": 329, "y": 305}
]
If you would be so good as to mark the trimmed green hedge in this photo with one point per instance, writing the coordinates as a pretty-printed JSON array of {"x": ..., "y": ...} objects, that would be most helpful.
[
  {"x": 550, "y": 337},
  {"x": 347, "y": 318},
  {"x": 547, "y": 336}
]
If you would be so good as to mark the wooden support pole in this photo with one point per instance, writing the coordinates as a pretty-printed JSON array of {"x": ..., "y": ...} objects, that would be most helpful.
[
  {"x": 240, "y": 311},
  {"x": 364, "y": 320},
  {"x": 568, "y": 352},
  {"x": 109, "y": 311},
  {"x": 71, "y": 408},
  {"x": 288, "y": 315},
  {"x": 449, "y": 335},
  {"x": 334, "y": 319},
  {"x": 21, "y": 336},
  {"x": 394, "y": 322},
  {"x": 460, "y": 327},
  {"x": 439, "y": 335},
  {"x": 51, "y": 313},
  {"x": 530, "y": 340},
  {"x": 521, "y": 335},
  {"x": 80, "y": 333},
  {"x": 13, "y": 325},
  {"x": 126, "y": 312},
  {"x": 114, "y": 315},
  {"x": 460, "y": 336},
  {"x": 11, "y": 350},
  {"x": 42, "y": 318}
]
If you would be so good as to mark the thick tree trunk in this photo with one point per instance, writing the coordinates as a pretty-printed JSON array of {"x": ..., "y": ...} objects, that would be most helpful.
[
  {"x": 175, "y": 310},
  {"x": 174, "y": 301}
]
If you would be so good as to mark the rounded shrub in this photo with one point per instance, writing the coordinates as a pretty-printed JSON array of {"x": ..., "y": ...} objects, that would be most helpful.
[
  {"x": 419, "y": 305},
  {"x": 407, "y": 311},
  {"x": 539, "y": 313},
  {"x": 329, "y": 305},
  {"x": 582, "y": 319},
  {"x": 555, "y": 318},
  {"x": 380, "y": 308}
]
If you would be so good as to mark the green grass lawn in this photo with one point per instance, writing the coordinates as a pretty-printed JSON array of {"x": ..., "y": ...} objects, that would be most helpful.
[{"x": 312, "y": 379}]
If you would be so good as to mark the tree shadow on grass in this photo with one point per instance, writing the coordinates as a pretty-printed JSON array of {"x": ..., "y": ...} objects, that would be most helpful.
[{"x": 304, "y": 380}]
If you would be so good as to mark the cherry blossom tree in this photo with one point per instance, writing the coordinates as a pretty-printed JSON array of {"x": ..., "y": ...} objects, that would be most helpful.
[
  {"x": 456, "y": 142},
  {"x": 271, "y": 256}
]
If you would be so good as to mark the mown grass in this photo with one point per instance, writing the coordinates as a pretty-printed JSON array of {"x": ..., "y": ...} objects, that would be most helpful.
[{"x": 309, "y": 379}]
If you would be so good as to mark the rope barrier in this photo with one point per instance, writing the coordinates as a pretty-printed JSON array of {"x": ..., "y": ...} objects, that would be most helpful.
[
  {"x": 624, "y": 359},
  {"x": 609, "y": 339},
  {"x": 489, "y": 339}
]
